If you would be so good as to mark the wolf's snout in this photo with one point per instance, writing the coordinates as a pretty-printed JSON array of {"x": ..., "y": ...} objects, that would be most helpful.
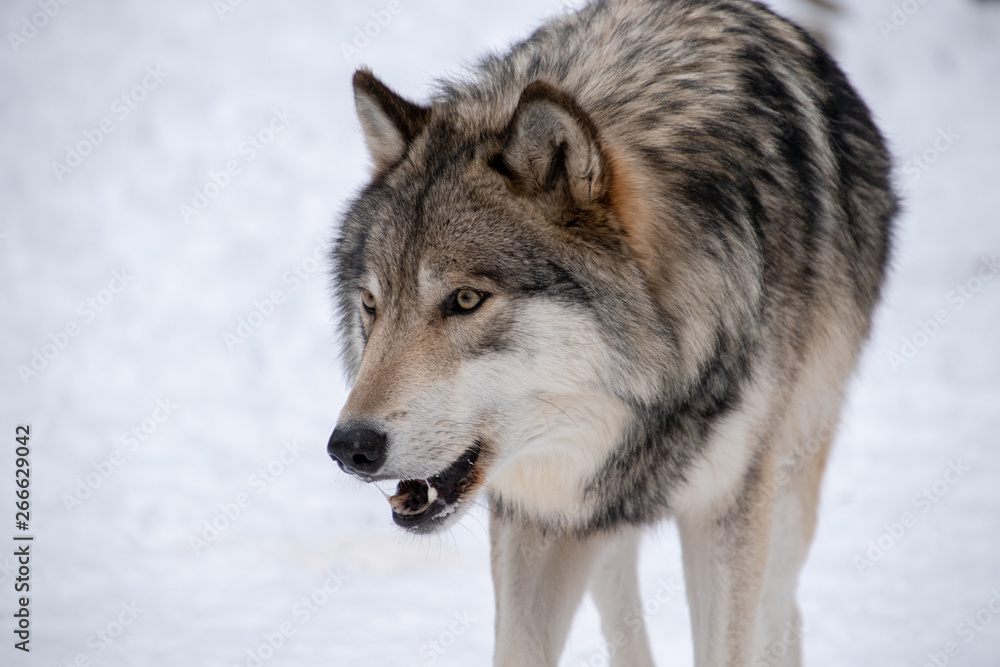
[{"x": 360, "y": 450}]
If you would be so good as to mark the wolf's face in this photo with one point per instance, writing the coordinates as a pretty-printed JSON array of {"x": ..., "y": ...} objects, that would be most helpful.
[{"x": 478, "y": 354}]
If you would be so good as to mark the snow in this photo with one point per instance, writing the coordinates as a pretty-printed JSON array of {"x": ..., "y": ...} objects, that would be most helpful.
[{"x": 304, "y": 530}]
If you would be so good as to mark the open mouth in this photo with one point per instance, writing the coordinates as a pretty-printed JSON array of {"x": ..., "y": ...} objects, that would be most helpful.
[{"x": 421, "y": 505}]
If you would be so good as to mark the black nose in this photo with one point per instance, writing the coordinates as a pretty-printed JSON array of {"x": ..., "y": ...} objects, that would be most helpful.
[{"x": 359, "y": 450}]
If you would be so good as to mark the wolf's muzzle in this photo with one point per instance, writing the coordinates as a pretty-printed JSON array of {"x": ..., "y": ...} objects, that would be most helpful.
[{"x": 360, "y": 450}]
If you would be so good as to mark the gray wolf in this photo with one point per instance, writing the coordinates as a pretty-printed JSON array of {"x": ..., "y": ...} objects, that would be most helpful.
[{"x": 618, "y": 274}]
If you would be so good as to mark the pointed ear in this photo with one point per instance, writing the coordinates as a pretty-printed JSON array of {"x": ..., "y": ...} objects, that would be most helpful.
[
  {"x": 390, "y": 123},
  {"x": 552, "y": 143}
]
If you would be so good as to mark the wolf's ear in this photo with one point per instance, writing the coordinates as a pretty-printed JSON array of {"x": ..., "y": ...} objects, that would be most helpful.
[
  {"x": 390, "y": 123},
  {"x": 552, "y": 141}
]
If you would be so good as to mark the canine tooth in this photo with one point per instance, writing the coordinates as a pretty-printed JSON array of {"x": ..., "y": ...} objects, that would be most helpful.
[{"x": 432, "y": 494}]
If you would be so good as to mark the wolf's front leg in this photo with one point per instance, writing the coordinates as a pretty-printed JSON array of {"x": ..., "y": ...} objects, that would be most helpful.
[
  {"x": 538, "y": 580},
  {"x": 615, "y": 587}
]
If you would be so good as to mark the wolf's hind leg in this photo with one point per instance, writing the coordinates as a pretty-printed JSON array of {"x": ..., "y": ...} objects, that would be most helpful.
[
  {"x": 725, "y": 553},
  {"x": 796, "y": 499},
  {"x": 742, "y": 560},
  {"x": 615, "y": 587},
  {"x": 538, "y": 579}
]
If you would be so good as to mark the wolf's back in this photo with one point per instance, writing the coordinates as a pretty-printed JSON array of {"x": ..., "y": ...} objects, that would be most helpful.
[{"x": 758, "y": 185}]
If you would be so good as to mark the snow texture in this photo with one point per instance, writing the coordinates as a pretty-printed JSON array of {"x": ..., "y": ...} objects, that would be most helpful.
[{"x": 182, "y": 86}]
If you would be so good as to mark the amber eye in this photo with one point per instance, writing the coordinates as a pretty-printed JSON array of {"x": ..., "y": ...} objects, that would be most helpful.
[
  {"x": 467, "y": 299},
  {"x": 368, "y": 301},
  {"x": 463, "y": 301}
]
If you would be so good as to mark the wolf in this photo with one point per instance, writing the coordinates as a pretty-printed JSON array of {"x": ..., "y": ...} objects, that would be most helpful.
[{"x": 618, "y": 274}]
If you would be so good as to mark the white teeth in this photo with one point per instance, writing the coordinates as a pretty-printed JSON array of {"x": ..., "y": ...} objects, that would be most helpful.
[{"x": 432, "y": 493}]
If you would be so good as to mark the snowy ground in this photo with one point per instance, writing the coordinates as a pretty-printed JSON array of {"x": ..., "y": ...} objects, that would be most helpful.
[{"x": 167, "y": 291}]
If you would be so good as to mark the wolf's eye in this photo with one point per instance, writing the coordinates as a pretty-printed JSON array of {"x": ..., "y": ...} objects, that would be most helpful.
[
  {"x": 467, "y": 299},
  {"x": 368, "y": 301},
  {"x": 464, "y": 301}
]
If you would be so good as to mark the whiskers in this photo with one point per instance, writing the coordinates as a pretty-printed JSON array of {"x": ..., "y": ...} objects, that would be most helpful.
[{"x": 387, "y": 487}]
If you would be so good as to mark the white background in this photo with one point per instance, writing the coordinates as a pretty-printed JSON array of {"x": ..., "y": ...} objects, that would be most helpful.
[{"x": 162, "y": 337}]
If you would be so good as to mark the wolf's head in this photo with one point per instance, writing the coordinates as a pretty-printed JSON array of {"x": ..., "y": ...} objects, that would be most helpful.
[{"x": 485, "y": 292}]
